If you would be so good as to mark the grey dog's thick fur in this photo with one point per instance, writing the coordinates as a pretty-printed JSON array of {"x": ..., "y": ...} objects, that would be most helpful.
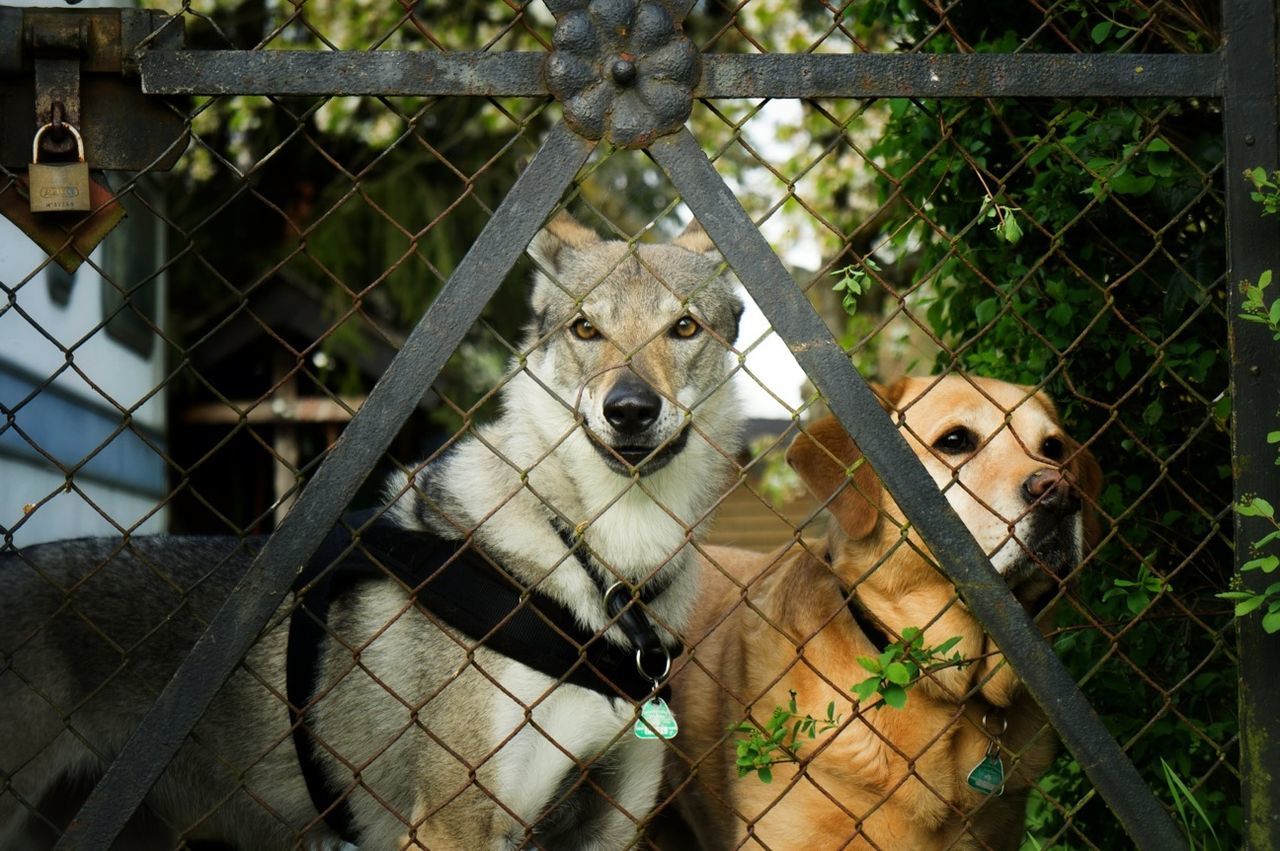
[{"x": 446, "y": 757}]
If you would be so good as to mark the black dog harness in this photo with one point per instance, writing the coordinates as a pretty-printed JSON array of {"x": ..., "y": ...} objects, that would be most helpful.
[{"x": 462, "y": 587}]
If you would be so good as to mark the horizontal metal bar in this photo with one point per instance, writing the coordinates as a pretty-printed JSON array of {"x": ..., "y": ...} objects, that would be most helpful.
[
  {"x": 965, "y": 75},
  {"x": 853, "y": 403},
  {"x": 258, "y": 594},
  {"x": 385, "y": 73},
  {"x": 858, "y": 75}
]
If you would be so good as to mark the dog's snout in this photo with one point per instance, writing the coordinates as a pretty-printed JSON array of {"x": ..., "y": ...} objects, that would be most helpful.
[
  {"x": 631, "y": 406},
  {"x": 1051, "y": 490}
]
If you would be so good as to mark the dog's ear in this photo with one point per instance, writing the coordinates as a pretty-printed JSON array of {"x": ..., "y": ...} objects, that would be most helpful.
[
  {"x": 1087, "y": 473},
  {"x": 694, "y": 238},
  {"x": 561, "y": 233},
  {"x": 821, "y": 455}
]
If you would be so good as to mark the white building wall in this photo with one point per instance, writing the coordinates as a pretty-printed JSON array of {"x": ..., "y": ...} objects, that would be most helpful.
[{"x": 120, "y": 476}]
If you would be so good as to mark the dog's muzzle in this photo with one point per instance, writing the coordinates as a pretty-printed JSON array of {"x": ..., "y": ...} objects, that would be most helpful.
[
  {"x": 1052, "y": 533},
  {"x": 631, "y": 407},
  {"x": 644, "y": 458}
]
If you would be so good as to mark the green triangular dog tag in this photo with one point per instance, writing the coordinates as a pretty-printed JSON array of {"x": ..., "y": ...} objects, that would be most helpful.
[
  {"x": 660, "y": 722},
  {"x": 988, "y": 775}
]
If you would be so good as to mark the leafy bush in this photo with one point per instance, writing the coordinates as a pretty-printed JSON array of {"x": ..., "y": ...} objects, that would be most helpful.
[{"x": 1079, "y": 246}]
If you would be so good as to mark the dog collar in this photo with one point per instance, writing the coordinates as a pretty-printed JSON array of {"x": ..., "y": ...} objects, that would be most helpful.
[
  {"x": 653, "y": 659},
  {"x": 862, "y": 619},
  {"x": 462, "y": 587}
]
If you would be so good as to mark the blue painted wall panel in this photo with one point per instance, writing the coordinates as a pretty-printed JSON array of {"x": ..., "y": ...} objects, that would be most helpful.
[{"x": 69, "y": 428}]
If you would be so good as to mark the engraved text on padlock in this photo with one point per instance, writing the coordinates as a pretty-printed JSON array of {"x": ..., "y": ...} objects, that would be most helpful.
[{"x": 58, "y": 187}]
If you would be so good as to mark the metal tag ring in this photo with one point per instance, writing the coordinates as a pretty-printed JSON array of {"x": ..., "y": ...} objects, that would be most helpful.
[
  {"x": 666, "y": 666},
  {"x": 35, "y": 143}
]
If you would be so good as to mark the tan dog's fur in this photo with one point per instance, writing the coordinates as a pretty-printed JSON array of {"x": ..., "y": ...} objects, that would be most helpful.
[{"x": 769, "y": 625}]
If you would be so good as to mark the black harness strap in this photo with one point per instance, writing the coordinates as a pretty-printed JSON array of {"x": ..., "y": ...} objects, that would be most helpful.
[
  {"x": 463, "y": 588},
  {"x": 652, "y": 658}
]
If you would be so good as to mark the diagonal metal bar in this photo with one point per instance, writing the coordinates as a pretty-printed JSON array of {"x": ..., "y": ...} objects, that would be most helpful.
[
  {"x": 853, "y": 403},
  {"x": 1251, "y": 108},
  {"x": 519, "y": 74},
  {"x": 237, "y": 624}
]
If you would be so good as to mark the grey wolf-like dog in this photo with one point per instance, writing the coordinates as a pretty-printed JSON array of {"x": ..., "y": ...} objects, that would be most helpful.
[{"x": 617, "y": 421}]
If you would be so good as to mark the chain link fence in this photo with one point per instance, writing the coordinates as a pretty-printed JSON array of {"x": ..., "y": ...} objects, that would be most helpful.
[{"x": 1052, "y": 270}]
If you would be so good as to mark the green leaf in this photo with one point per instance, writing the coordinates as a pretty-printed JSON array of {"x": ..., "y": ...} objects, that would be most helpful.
[
  {"x": 765, "y": 774},
  {"x": 1264, "y": 279},
  {"x": 1266, "y": 564},
  {"x": 866, "y": 688},
  {"x": 986, "y": 310},
  {"x": 1256, "y": 507},
  {"x": 870, "y": 664},
  {"x": 1100, "y": 32},
  {"x": 1132, "y": 184},
  {"x": 942, "y": 648},
  {"x": 895, "y": 696},
  {"x": 1271, "y": 622},
  {"x": 1254, "y": 601},
  {"x": 1009, "y": 230},
  {"x": 897, "y": 673}
]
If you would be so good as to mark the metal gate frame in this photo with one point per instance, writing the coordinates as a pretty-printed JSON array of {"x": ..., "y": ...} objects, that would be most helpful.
[{"x": 1242, "y": 73}]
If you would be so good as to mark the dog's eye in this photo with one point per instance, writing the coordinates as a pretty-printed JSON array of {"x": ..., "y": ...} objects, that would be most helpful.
[
  {"x": 956, "y": 441},
  {"x": 1053, "y": 449},
  {"x": 686, "y": 327},
  {"x": 583, "y": 329}
]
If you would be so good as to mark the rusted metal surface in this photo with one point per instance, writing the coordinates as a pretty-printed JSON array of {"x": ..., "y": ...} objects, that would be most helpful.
[
  {"x": 924, "y": 75},
  {"x": 46, "y": 54},
  {"x": 1251, "y": 112},
  {"x": 387, "y": 72},
  {"x": 519, "y": 74},
  {"x": 623, "y": 70}
]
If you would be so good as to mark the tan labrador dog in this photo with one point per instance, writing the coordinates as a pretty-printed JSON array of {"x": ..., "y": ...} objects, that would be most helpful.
[{"x": 797, "y": 621}]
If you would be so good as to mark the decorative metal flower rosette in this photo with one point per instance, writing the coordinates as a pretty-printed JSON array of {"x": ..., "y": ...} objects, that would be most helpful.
[{"x": 623, "y": 70}]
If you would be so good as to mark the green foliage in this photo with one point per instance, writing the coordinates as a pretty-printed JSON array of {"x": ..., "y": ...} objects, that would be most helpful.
[
  {"x": 1266, "y": 190},
  {"x": 1266, "y": 550},
  {"x": 1107, "y": 291},
  {"x": 778, "y": 483},
  {"x": 1267, "y": 558},
  {"x": 902, "y": 664},
  {"x": 1139, "y": 592},
  {"x": 780, "y": 740},
  {"x": 1184, "y": 800},
  {"x": 893, "y": 672},
  {"x": 852, "y": 281}
]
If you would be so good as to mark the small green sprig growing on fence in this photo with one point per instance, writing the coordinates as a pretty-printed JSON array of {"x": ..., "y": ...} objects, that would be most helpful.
[
  {"x": 780, "y": 740},
  {"x": 1266, "y": 189},
  {"x": 1006, "y": 226},
  {"x": 1138, "y": 593},
  {"x": 1255, "y": 307},
  {"x": 852, "y": 281},
  {"x": 1268, "y": 600},
  {"x": 894, "y": 672},
  {"x": 901, "y": 665}
]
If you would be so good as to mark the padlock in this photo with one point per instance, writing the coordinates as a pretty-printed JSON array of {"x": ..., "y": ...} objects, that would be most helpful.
[{"x": 58, "y": 187}]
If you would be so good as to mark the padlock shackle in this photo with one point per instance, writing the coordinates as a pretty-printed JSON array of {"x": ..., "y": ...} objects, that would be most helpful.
[{"x": 35, "y": 143}]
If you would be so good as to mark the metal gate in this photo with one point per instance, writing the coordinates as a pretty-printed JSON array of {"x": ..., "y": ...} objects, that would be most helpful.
[{"x": 586, "y": 87}]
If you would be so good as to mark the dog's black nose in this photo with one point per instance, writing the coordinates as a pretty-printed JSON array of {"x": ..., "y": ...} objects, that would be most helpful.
[
  {"x": 631, "y": 406},
  {"x": 1051, "y": 490}
]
